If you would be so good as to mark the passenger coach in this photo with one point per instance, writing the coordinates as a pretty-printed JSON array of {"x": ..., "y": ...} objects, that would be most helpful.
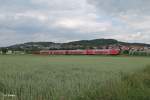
[{"x": 81, "y": 52}]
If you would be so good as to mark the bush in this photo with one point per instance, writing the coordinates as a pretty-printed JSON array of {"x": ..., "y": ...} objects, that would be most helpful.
[
  {"x": 139, "y": 53},
  {"x": 125, "y": 52}
]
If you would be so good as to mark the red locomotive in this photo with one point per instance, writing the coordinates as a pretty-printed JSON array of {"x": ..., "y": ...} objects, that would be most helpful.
[{"x": 81, "y": 52}]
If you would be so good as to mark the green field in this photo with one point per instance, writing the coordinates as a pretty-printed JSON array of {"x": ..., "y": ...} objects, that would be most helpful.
[{"x": 31, "y": 77}]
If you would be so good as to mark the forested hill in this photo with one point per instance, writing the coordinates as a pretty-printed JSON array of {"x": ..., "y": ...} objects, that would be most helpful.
[
  {"x": 95, "y": 42},
  {"x": 83, "y": 44}
]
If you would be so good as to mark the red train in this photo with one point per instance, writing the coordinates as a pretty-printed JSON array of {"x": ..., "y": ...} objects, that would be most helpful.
[{"x": 81, "y": 52}]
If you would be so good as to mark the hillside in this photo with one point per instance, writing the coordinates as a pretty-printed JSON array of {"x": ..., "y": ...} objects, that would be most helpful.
[{"x": 83, "y": 44}]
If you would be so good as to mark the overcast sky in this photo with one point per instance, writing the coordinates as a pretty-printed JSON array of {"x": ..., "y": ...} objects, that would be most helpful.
[{"x": 68, "y": 20}]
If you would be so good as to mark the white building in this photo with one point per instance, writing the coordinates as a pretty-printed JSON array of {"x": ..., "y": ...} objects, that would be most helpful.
[
  {"x": 9, "y": 52},
  {"x": 1, "y": 52}
]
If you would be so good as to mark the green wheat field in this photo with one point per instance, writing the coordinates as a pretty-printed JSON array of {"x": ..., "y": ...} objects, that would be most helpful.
[{"x": 32, "y": 77}]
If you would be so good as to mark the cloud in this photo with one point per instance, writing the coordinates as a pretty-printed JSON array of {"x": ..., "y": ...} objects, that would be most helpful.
[
  {"x": 67, "y": 20},
  {"x": 130, "y": 18},
  {"x": 83, "y": 25},
  {"x": 135, "y": 37},
  {"x": 116, "y": 7}
]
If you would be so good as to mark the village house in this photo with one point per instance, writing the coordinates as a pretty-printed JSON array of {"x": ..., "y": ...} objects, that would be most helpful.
[
  {"x": 9, "y": 52},
  {"x": 1, "y": 52}
]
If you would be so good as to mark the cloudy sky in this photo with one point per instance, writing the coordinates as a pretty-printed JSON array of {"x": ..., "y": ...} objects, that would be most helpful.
[{"x": 68, "y": 20}]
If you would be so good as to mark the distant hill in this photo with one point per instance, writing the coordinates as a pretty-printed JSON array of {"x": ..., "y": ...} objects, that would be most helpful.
[
  {"x": 99, "y": 43},
  {"x": 83, "y": 44},
  {"x": 34, "y": 46},
  {"x": 95, "y": 42}
]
